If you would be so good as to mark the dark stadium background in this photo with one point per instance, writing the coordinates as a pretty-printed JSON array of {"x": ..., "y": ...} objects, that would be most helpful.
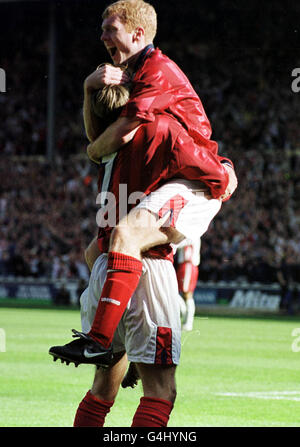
[{"x": 238, "y": 55}]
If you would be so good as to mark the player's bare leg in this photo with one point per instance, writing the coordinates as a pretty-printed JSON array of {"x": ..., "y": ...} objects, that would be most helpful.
[
  {"x": 190, "y": 311},
  {"x": 182, "y": 305},
  {"x": 159, "y": 389},
  {"x": 131, "y": 227},
  {"x": 107, "y": 381},
  {"x": 158, "y": 381},
  {"x": 96, "y": 404},
  {"x": 141, "y": 230}
]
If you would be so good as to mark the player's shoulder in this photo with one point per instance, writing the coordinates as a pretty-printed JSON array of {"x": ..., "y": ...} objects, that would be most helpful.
[
  {"x": 159, "y": 69},
  {"x": 157, "y": 60},
  {"x": 160, "y": 57}
]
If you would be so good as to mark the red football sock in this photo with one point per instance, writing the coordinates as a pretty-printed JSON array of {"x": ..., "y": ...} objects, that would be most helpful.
[
  {"x": 152, "y": 412},
  {"x": 123, "y": 275},
  {"x": 91, "y": 411}
]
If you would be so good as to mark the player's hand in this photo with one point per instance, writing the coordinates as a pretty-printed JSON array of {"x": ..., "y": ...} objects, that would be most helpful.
[
  {"x": 106, "y": 74},
  {"x": 232, "y": 184}
]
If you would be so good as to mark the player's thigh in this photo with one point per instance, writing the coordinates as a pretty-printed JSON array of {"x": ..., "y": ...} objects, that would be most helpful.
[
  {"x": 188, "y": 208},
  {"x": 137, "y": 232},
  {"x": 158, "y": 380},
  {"x": 107, "y": 381}
]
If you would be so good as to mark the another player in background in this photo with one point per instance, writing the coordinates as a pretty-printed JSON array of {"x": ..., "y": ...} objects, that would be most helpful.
[{"x": 188, "y": 259}]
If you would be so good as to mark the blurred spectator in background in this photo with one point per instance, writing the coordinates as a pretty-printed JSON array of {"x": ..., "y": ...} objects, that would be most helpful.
[{"x": 62, "y": 296}]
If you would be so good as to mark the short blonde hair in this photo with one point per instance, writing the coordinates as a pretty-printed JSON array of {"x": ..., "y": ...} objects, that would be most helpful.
[
  {"x": 134, "y": 13},
  {"x": 107, "y": 102}
]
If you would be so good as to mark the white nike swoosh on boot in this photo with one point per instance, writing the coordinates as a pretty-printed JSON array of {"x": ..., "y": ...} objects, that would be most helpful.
[{"x": 90, "y": 355}]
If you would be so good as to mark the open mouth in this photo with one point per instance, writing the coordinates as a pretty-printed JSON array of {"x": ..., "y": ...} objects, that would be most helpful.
[{"x": 112, "y": 51}]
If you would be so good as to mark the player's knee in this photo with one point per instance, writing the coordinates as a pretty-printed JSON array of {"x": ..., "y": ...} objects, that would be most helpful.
[
  {"x": 158, "y": 381},
  {"x": 174, "y": 236},
  {"x": 129, "y": 238},
  {"x": 168, "y": 392},
  {"x": 122, "y": 238},
  {"x": 103, "y": 390},
  {"x": 107, "y": 395},
  {"x": 137, "y": 233}
]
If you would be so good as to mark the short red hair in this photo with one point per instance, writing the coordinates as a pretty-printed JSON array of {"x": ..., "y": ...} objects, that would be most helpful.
[{"x": 135, "y": 13}]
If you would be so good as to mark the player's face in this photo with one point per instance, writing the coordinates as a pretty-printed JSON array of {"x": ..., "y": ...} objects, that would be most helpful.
[{"x": 118, "y": 42}]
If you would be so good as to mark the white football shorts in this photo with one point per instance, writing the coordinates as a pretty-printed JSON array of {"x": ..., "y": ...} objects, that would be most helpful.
[
  {"x": 191, "y": 211},
  {"x": 150, "y": 329}
]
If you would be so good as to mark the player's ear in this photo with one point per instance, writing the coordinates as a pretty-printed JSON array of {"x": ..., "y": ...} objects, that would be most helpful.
[{"x": 138, "y": 34}]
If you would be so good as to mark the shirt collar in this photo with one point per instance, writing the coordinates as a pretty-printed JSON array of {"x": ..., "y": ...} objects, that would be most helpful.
[{"x": 143, "y": 55}]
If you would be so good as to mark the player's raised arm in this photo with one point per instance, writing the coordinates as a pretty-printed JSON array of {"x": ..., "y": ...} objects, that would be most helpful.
[{"x": 113, "y": 138}]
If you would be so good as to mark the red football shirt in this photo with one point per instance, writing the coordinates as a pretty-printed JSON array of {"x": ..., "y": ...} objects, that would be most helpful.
[
  {"x": 160, "y": 86},
  {"x": 166, "y": 149},
  {"x": 161, "y": 150}
]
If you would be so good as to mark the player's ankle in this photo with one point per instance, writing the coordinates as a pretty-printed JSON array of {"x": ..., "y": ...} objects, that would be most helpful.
[{"x": 100, "y": 339}]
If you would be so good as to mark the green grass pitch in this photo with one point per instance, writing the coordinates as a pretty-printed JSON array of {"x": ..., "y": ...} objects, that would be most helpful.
[{"x": 234, "y": 372}]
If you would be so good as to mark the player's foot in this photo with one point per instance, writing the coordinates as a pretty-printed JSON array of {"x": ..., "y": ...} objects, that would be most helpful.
[
  {"x": 131, "y": 377},
  {"x": 83, "y": 350},
  {"x": 187, "y": 327}
]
